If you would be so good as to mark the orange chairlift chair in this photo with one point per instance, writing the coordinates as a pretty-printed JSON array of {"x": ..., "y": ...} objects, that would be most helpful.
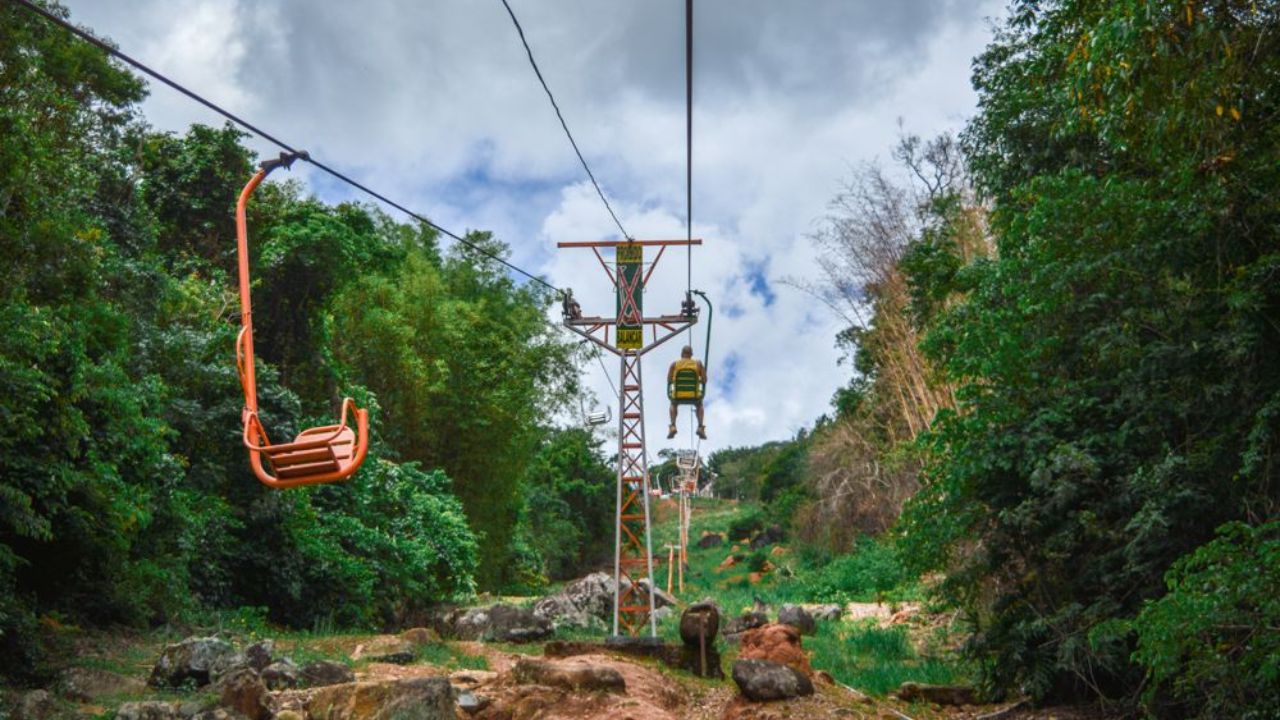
[{"x": 318, "y": 455}]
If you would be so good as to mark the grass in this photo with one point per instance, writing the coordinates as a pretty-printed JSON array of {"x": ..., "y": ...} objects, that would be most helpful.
[
  {"x": 449, "y": 656},
  {"x": 863, "y": 655}
]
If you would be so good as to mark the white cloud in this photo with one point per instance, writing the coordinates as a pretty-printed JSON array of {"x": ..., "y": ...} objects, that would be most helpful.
[{"x": 434, "y": 103}]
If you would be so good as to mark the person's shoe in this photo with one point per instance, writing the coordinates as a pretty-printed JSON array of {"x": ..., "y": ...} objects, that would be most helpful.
[
  {"x": 702, "y": 431},
  {"x": 671, "y": 432}
]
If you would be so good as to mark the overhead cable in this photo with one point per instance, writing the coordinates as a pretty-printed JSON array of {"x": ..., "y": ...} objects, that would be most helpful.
[
  {"x": 529, "y": 51},
  {"x": 110, "y": 50},
  {"x": 688, "y": 139}
]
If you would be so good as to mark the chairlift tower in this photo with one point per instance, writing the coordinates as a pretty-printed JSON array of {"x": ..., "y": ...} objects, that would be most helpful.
[{"x": 629, "y": 334}]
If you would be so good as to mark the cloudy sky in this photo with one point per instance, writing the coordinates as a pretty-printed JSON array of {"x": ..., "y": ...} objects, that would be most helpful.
[{"x": 434, "y": 103}]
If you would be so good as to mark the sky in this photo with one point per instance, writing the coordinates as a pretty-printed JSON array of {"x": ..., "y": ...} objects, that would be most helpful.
[{"x": 433, "y": 103}]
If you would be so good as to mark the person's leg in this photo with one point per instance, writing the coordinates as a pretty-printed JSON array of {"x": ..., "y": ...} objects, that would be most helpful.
[
  {"x": 702, "y": 428},
  {"x": 671, "y": 431}
]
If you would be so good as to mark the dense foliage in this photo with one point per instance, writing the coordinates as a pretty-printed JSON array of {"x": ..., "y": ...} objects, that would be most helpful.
[
  {"x": 125, "y": 495},
  {"x": 1119, "y": 357}
]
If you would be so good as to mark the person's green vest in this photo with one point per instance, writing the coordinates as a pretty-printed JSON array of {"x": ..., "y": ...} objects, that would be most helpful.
[{"x": 686, "y": 381}]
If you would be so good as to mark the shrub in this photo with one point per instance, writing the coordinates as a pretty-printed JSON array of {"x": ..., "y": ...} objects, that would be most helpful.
[
  {"x": 746, "y": 524},
  {"x": 871, "y": 571},
  {"x": 1211, "y": 646}
]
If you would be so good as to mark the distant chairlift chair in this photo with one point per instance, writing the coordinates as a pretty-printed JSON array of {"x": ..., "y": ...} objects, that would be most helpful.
[{"x": 325, "y": 454}]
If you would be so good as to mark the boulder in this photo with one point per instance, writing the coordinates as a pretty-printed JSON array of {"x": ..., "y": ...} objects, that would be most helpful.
[
  {"x": 508, "y": 623},
  {"x": 242, "y": 691},
  {"x": 937, "y": 694},
  {"x": 319, "y": 673},
  {"x": 34, "y": 705},
  {"x": 710, "y": 540},
  {"x": 197, "y": 660},
  {"x": 259, "y": 655},
  {"x": 469, "y": 702},
  {"x": 571, "y": 675},
  {"x": 89, "y": 684},
  {"x": 149, "y": 710},
  {"x": 281, "y": 675},
  {"x": 420, "y": 698},
  {"x": 661, "y": 598},
  {"x": 728, "y": 562},
  {"x": 386, "y": 649},
  {"x": 769, "y": 536},
  {"x": 826, "y": 613},
  {"x": 581, "y": 603},
  {"x": 745, "y": 621},
  {"x": 798, "y": 618},
  {"x": 777, "y": 643},
  {"x": 461, "y": 623},
  {"x": 762, "y": 680}
]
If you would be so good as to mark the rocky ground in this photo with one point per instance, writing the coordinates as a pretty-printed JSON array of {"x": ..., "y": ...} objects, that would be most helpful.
[
  {"x": 533, "y": 660},
  {"x": 212, "y": 679}
]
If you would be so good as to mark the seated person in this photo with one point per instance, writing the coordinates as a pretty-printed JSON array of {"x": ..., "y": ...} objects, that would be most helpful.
[{"x": 688, "y": 390}]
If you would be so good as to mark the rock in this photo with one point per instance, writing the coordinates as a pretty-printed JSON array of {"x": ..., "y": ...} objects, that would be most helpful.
[
  {"x": 825, "y": 613},
  {"x": 661, "y": 598},
  {"x": 319, "y": 673},
  {"x": 903, "y": 616},
  {"x": 571, "y": 675},
  {"x": 728, "y": 562},
  {"x": 699, "y": 624},
  {"x": 580, "y": 603},
  {"x": 469, "y": 702},
  {"x": 386, "y": 649},
  {"x": 777, "y": 643},
  {"x": 420, "y": 636},
  {"x": 198, "y": 660},
  {"x": 755, "y": 578},
  {"x": 89, "y": 684},
  {"x": 937, "y": 694},
  {"x": 242, "y": 691},
  {"x": 710, "y": 540},
  {"x": 508, "y": 623},
  {"x": 762, "y": 680},
  {"x": 280, "y": 675},
  {"x": 34, "y": 705},
  {"x": 777, "y": 551},
  {"x": 769, "y": 536},
  {"x": 662, "y": 613},
  {"x": 290, "y": 715},
  {"x": 798, "y": 618},
  {"x": 744, "y": 622},
  {"x": 419, "y": 698},
  {"x": 259, "y": 654},
  {"x": 148, "y": 710}
]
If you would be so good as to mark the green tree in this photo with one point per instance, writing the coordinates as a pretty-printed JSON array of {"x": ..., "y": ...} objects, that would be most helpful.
[{"x": 1119, "y": 356}]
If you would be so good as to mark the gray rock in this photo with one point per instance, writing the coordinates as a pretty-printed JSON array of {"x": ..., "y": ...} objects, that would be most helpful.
[
  {"x": 149, "y": 710},
  {"x": 35, "y": 705},
  {"x": 319, "y": 673},
  {"x": 580, "y": 603},
  {"x": 259, "y": 655},
  {"x": 662, "y": 613},
  {"x": 826, "y": 613},
  {"x": 243, "y": 692},
  {"x": 710, "y": 540},
  {"x": 661, "y": 598},
  {"x": 798, "y": 618},
  {"x": 461, "y": 623},
  {"x": 761, "y": 680},
  {"x": 508, "y": 623},
  {"x": 280, "y": 675},
  {"x": 746, "y": 621},
  {"x": 198, "y": 660},
  {"x": 768, "y": 536},
  {"x": 470, "y": 703}
]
